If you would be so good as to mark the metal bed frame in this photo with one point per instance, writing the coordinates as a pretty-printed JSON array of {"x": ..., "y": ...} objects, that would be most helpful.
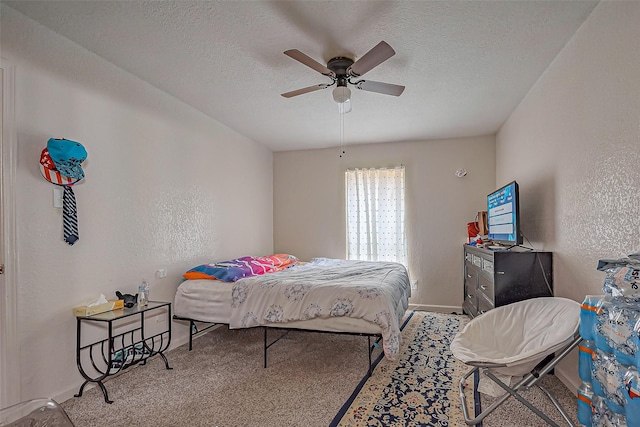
[{"x": 195, "y": 331}]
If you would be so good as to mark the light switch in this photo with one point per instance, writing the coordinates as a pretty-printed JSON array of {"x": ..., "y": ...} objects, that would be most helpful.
[{"x": 57, "y": 197}]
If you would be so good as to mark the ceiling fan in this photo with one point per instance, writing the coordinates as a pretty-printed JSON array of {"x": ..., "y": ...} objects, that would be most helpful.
[{"x": 342, "y": 71}]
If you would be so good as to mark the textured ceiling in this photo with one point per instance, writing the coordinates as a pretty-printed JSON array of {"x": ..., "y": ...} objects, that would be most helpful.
[{"x": 465, "y": 65}]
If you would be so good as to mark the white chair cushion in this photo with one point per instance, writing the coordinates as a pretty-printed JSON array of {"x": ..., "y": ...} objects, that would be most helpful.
[{"x": 518, "y": 335}]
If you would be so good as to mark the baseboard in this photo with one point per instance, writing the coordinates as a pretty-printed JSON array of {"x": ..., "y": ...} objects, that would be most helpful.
[
  {"x": 436, "y": 308},
  {"x": 69, "y": 393},
  {"x": 571, "y": 382}
]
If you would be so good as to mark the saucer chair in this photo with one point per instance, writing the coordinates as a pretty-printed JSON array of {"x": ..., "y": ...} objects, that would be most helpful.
[{"x": 525, "y": 339}]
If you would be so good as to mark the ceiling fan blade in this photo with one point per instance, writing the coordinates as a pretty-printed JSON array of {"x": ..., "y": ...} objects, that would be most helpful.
[
  {"x": 384, "y": 88},
  {"x": 376, "y": 56},
  {"x": 305, "y": 90},
  {"x": 309, "y": 62}
]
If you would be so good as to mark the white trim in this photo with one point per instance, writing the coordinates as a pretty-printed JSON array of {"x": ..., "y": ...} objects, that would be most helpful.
[
  {"x": 436, "y": 308},
  {"x": 10, "y": 385},
  {"x": 567, "y": 380}
]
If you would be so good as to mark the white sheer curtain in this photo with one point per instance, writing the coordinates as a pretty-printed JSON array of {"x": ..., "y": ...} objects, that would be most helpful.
[{"x": 375, "y": 215}]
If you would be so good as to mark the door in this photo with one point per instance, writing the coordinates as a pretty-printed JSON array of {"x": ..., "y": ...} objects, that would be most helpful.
[{"x": 10, "y": 387}]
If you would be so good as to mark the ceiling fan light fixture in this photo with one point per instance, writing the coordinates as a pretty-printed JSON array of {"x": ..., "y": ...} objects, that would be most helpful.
[
  {"x": 344, "y": 107},
  {"x": 341, "y": 94}
]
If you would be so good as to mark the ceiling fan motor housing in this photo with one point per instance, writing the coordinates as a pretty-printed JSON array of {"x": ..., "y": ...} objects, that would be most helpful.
[{"x": 339, "y": 66}]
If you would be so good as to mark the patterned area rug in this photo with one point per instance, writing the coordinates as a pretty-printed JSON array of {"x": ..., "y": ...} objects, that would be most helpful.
[{"x": 420, "y": 388}]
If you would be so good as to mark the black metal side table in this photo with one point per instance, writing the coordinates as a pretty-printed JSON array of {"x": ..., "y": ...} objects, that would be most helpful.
[{"x": 104, "y": 357}]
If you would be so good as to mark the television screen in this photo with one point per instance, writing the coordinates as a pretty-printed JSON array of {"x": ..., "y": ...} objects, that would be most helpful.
[{"x": 503, "y": 216}]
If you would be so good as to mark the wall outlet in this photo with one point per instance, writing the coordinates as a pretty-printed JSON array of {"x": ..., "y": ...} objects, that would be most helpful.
[
  {"x": 161, "y": 274},
  {"x": 414, "y": 285},
  {"x": 57, "y": 197}
]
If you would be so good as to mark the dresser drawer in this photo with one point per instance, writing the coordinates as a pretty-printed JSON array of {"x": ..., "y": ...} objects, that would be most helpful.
[
  {"x": 468, "y": 257},
  {"x": 486, "y": 287},
  {"x": 483, "y": 305},
  {"x": 487, "y": 267},
  {"x": 476, "y": 260}
]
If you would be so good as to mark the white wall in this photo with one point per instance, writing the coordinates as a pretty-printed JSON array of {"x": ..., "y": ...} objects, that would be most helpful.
[
  {"x": 574, "y": 146},
  {"x": 309, "y": 205},
  {"x": 166, "y": 187}
]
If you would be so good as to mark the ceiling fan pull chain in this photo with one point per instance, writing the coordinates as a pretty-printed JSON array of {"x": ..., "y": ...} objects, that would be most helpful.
[{"x": 342, "y": 152}]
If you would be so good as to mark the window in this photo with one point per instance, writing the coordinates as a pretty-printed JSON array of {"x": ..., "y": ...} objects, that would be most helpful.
[{"x": 375, "y": 215}]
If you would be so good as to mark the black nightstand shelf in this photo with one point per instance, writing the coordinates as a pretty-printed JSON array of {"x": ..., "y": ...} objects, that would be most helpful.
[{"x": 105, "y": 357}]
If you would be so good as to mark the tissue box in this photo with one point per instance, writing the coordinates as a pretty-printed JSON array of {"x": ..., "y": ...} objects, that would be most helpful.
[{"x": 84, "y": 310}]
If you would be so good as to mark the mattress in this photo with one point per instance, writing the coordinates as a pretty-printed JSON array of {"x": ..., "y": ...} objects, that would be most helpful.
[{"x": 210, "y": 301}]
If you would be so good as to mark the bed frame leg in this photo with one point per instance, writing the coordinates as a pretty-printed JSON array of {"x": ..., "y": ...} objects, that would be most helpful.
[
  {"x": 192, "y": 327},
  {"x": 265, "y": 347},
  {"x": 370, "y": 350}
]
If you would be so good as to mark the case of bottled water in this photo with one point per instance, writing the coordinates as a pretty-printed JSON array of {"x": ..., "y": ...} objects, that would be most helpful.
[{"x": 609, "y": 355}]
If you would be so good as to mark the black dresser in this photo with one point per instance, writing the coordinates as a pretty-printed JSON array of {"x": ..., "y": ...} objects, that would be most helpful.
[{"x": 498, "y": 277}]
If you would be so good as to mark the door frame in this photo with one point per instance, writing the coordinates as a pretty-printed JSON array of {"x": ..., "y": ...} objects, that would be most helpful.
[{"x": 10, "y": 383}]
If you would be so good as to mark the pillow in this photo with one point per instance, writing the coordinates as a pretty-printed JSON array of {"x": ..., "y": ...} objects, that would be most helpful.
[
  {"x": 204, "y": 271},
  {"x": 224, "y": 271},
  {"x": 236, "y": 269}
]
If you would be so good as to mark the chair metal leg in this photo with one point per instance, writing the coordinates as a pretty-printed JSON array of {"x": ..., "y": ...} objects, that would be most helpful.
[
  {"x": 513, "y": 392},
  {"x": 508, "y": 393},
  {"x": 557, "y": 405},
  {"x": 463, "y": 399}
]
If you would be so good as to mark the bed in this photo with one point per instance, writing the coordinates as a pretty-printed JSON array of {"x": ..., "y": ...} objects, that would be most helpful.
[{"x": 324, "y": 295}]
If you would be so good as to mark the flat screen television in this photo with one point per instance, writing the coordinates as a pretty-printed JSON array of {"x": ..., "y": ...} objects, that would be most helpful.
[{"x": 503, "y": 215}]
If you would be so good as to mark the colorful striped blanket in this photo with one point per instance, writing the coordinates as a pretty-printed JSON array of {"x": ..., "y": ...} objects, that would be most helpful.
[{"x": 236, "y": 269}]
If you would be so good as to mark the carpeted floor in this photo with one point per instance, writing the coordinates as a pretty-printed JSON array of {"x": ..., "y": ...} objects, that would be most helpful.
[
  {"x": 222, "y": 383},
  {"x": 309, "y": 378}
]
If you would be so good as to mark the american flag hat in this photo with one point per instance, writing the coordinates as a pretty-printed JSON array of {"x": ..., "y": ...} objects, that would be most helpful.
[{"x": 51, "y": 174}]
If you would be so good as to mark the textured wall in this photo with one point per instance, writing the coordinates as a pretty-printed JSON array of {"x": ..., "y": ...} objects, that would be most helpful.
[
  {"x": 574, "y": 146},
  {"x": 166, "y": 187},
  {"x": 309, "y": 205}
]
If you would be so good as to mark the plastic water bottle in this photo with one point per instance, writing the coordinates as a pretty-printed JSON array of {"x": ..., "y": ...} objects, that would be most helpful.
[
  {"x": 143, "y": 293},
  {"x": 614, "y": 387},
  {"x": 602, "y": 329},
  {"x": 625, "y": 338},
  {"x": 600, "y": 412},
  {"x": 635, "y": 342},
  {"x": 588, "y": 316},
  {"x": 586, "y": 354},
  {"x": 598, "y": 374},
  {"x": 585, "y": 396},
  {"x": 632, "y": 397},
  {"x": 608, "y": 381}
]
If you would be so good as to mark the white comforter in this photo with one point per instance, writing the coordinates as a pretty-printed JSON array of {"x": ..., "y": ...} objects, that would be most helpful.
[{"x": 374, "y": 291}]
